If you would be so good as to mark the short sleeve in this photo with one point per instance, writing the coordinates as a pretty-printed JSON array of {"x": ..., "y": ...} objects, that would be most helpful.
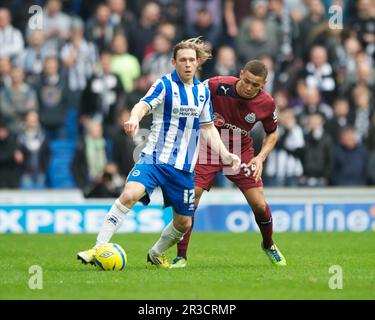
[
  {"x": 270, "y": 122},
  {"x": 155, "y": 95},
  {"x": 207, "y": 115}
]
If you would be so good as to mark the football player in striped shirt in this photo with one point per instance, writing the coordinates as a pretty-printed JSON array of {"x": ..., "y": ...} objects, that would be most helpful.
[{"x": 182, "y": 110}]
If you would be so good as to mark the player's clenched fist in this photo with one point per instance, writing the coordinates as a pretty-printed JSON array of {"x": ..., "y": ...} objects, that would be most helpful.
[
  {"x": 131, "y": 126},
  {"x": 233, "y": 160}
]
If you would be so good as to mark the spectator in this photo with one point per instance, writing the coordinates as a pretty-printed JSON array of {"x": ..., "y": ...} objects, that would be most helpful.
[
  {"x": 340, "y": 119},
  {"x": 100, "y": 29},
  {"x": 17, "y": 99},
  {"x": 319, "y": 153},
  {"x": 110, "y": 184},
  {"x": 259, "y": 11},
  {"x": 79, "y": 57},
  {"x": 53, "y": 99},
  {"x": 363, "y": 111},
  {"x": 272, "y": 81},
  {"x": 352, "y": 48},
  {"x": 142, "y": 85},
  {"x": 234, "y": 13},
  {"x": 10, "y": 158},
  {"x": 121, "y": 18},
  {"x": 34, "y": 146},
  {"x": 225, "y": 63},
  {"x": 365, "y": 76},
  {"x": 11, "y": 40},
  {"x": 103, "y": 96},
  {"x": 255, "y": 43},
  {"x": 143, "y": 31},
  {"x": 5, "y": 71},
  {"x": 307, "y": 28},
  {"x": 319, "y": 73},
  {"x": 281, "y": 98},
  {"x": 158, "y": 62},
  {"x": 350, "y": 166},
  {"x": 204, "y": 26},
  {"x": 284, "y": 164},
  {"x": 90, "y": 157},
  {"x": 192, "y": 8},
  {"x": 363, "y": 24},
  {"x": 312, "y": 104},
  {"x": 56, "y": 25},
  {"x": 170, "y": 31},
  {"x": 34, "y": 55},
  {"x": 125, "y": 65}
]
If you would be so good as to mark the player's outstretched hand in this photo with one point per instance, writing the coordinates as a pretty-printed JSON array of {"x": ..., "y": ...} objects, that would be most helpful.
[{"x": 131, "y": 126}]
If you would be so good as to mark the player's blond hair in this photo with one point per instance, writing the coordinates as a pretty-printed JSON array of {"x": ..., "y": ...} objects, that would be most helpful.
[{"x": 197, "y": 44}]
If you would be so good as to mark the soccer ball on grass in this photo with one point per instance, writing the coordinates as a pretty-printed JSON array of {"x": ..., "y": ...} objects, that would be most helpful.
[{"x": 110, "y": 256}]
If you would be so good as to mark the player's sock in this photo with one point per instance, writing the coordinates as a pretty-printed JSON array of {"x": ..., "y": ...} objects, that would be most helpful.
[
  {"x": 168, "y": 238},
  {"x": 182, "y": 246},
  {"x": 264, "y": 221},
  {"x": 112, "y": 222}
]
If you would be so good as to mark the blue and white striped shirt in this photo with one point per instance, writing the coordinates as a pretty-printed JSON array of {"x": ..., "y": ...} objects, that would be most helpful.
[{"x": 178, "y": 111}]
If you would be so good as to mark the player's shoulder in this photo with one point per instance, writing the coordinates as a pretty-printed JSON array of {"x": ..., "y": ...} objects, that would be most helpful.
[
  {"x": 266, "y": 98},
  {"x": 223, "y": 79}
]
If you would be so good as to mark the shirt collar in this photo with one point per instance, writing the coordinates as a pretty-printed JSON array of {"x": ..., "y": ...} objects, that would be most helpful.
[{"x": 176, "y": 78}]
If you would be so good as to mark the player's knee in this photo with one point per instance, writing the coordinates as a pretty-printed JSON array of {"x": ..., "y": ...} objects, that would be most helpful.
[
  {"x": 183, "y": 225},
  {"x": 128, "y": 198},
  {"x": 259, "y": 208}
]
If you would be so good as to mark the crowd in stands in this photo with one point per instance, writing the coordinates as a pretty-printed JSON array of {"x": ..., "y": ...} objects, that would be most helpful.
[{"x": 67, "y": 87}]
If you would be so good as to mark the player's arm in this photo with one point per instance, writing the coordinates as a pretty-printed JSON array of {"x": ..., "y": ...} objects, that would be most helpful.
[
  {"x": 213, "y": 139},
  {"x": 268, "y": 145},
  {"x": 153, "y": 98},
  {"x": 138, "y": 112}
]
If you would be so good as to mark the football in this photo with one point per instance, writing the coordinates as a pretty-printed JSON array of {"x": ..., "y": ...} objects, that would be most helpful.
[{"x": 110, "y": 256}]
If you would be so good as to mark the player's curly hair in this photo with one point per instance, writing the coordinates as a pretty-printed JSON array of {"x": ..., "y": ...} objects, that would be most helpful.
[{"x": 197, "y": 44}]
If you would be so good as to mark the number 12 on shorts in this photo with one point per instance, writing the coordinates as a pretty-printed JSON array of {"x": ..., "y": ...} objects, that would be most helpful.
[{"x": 189, "y": 196}]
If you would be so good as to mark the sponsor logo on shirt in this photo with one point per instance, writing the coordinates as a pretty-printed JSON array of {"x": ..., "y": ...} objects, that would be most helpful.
[
  {"x": 224, "y": 89},
  {"x": 186, "y": 111},
  {"x": 219, "y": 121}
]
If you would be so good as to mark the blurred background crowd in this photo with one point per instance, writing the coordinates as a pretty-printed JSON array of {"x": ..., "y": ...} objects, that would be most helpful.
[{"x": 66, "y": 88}]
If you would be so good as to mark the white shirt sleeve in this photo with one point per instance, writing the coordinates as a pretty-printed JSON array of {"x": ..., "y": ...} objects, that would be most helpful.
[
  {"x": 155, "y": 95},
  {"x": 207, "y": 115}
]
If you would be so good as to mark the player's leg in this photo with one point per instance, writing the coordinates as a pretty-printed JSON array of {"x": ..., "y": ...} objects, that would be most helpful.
[
  {"x": 140, "y": 184},
  {"x": 133, "y": 191},
  {"x": 178, "y": 192},
  {"x": 113, "y": 220},
  {"x": 171, "y": 234},
  {"x": 263, "y": 218},
  {"x": 203, "y": 180},
  {"x": 181, "y": 260}
]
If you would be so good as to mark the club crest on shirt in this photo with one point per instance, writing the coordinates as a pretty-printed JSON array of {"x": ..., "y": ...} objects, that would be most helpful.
[
  {"x": 250, "y": 118},
  {"x": 136, "y": 173}
]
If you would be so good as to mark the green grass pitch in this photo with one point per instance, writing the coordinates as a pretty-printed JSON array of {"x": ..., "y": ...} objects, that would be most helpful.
[{"x": 221, "y": 266}]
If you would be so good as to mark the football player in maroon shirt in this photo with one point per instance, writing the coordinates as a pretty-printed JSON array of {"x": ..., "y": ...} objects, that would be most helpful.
[{"x": 238, "y": 103}]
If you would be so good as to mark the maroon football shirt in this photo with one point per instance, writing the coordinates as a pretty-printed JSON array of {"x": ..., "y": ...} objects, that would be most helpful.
[{"x": 235, "y": 116}]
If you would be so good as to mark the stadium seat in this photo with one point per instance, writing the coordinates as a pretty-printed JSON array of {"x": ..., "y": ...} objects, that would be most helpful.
[{"x": 59, "y": 174}]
